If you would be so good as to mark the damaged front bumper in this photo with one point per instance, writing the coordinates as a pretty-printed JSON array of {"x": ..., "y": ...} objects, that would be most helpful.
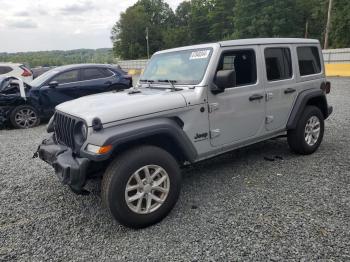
[
  {"x": 70, "y": 170},
  {"x": 3, "y": 116}
]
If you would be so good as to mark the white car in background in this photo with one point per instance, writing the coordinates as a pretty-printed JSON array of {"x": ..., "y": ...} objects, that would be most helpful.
[{"x": 17, "y": 70}]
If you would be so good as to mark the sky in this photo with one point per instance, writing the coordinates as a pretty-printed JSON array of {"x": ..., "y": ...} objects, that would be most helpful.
[{"x": 40, "y": 25}]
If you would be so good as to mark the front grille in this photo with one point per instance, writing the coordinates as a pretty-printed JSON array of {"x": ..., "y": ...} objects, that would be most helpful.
[{"x": 64, "y": 129}]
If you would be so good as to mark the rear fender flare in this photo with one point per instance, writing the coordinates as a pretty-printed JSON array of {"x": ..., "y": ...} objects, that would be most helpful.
[{"x": 301, "y": 102}]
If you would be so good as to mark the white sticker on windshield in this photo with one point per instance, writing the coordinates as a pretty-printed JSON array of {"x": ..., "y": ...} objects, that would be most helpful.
[{"x": 200, "y": 54}]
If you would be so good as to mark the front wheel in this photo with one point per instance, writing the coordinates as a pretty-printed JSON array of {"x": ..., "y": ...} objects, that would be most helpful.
[
  {"x": 308, "y": 134},
  {"x": 141, "y": 186},
  {"x": 24, "y": 116}
]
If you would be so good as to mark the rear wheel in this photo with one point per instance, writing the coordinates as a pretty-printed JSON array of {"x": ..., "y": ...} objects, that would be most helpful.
[
  {"x": 24, "y": 117},
  {"x": 141, "y": 186},
  {"x": 308, "y": 134}
]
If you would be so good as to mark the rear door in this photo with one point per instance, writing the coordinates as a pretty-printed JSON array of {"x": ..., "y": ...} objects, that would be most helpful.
[
  {"x": 95, "y": 80},
  {"x": 238, "y": 113},
  {"x": 280, "y": 84}
]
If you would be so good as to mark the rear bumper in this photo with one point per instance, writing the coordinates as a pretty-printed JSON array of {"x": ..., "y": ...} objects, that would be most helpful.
[{"x": 69, "y": 169}]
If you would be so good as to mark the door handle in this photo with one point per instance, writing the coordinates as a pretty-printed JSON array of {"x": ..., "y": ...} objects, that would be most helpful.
[
  {"x": 289, "y": 90},
  {"x": 108, "y": 83},
  {"x": 256, "y": 97}
]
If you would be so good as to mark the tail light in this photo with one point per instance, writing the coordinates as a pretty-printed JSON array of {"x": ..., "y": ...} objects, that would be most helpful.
[
  {"x": 326, "y": 87},
  {"x": 128, "y": 77},
  {"x": 26, "y": 71}
]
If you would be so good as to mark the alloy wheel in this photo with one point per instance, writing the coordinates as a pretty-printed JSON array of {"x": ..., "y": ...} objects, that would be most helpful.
[
  {"x": 147, "y": 189},
  {"x": 312, "y": 130},
  {"x": 26, "y": 118}
]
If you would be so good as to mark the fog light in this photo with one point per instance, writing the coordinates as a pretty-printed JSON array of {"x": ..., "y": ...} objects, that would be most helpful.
[{"x": 98, "y": 149}]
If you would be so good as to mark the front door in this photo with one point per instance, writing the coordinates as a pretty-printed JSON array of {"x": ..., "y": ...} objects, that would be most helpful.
[
  {"x": 238, "y": 113},
  {"x": 67, "y": 89}
]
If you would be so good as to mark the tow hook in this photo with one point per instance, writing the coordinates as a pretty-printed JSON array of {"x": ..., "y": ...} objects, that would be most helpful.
[
  {"x": 36, "y": 153},
  {"x": 81, "y": 191}
]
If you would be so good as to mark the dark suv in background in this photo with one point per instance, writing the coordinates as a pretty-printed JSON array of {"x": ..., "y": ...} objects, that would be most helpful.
[{"x": 56, "y": 86}]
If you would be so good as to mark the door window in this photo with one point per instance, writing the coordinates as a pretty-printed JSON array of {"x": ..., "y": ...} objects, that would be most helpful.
[
  {"x": 106, "y": 72},
  {"x": 92, "y": 73},
  {"x": 67, "y": 77},
  {"x": 278, "y": 64},
  {"x": 243, "y": 63},
  {"x": 309, "y": 60},
  {"x": 5, "y": 69}
]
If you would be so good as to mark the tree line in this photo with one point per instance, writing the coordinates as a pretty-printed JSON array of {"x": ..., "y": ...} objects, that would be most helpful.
[
  {"x": 57, "y": 58},
  {"x": 199, "y": 21}
]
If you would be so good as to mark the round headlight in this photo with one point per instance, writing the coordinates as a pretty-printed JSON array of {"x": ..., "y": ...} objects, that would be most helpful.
[
  {"x": 84, "y": 131},
  {"x": 49, "y": 127},
  {"x": 80, "y": 133}
]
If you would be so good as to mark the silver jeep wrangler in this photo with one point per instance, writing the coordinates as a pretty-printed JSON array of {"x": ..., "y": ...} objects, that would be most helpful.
[{"x": 190, "y": 104}]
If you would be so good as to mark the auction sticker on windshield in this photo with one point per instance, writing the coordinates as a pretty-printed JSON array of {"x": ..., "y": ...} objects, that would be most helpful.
[{"x": 200, "y": 54}]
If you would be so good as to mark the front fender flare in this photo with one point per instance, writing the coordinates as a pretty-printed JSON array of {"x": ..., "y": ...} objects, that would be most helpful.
[{"x": 121, "y": 134}]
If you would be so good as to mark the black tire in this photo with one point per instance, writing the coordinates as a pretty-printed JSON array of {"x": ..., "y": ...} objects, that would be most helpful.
[
  {"x": 33, "y": 117},
  {"x": 296, "y": 137},
  {"x": 117, "y": 176}
]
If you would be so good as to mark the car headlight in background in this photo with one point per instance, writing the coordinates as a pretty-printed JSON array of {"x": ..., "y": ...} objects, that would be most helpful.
[{"x": 80, "y": 133}]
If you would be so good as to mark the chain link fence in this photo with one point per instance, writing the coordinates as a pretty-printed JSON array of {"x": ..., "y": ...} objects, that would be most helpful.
[
  {"x": 133, "y": 64},
  {"x": 336, "y": 56}
]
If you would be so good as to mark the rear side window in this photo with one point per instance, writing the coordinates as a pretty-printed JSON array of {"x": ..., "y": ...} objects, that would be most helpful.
[
  {"x": 309, "y": 60},
  {"x": 67, "y": 77},
  {"x": 92, "y": 73},
  {"x": 106, "y": 72},
  {"x": 243, "y": 63},
  {"x": 5, "y": 69},
  {"x": 278, "y": 64}
]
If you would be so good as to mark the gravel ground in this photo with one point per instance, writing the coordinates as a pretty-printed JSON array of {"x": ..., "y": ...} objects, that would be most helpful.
[{"x": 235, "y": 207}]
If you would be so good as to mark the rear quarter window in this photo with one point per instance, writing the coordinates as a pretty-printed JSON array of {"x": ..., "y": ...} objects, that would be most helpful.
[
  {"x": 5, "y": 70},
  {"x": 308, "y": 60}
]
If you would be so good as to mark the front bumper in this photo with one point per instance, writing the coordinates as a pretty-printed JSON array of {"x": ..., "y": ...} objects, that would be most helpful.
[
  {"x": 4, "y": 114},
  {"x": 70, "y": 170}
]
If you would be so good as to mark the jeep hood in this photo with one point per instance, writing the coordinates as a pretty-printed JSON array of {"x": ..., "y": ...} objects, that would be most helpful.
[{"x": 115, "y": 106}]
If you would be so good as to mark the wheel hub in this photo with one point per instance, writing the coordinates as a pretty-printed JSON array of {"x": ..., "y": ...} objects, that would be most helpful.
[{"x": 147, "y": 188}]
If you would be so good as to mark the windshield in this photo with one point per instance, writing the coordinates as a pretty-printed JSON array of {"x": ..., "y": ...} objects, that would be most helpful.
[
  {"x": 43, "y": 78},
  {"x": 181, "y": 67}
]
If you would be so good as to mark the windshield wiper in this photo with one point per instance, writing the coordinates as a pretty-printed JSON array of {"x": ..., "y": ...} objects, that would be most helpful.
[
  {"x": 171, "y": 82},
  {"x": 146, "y": 81}
]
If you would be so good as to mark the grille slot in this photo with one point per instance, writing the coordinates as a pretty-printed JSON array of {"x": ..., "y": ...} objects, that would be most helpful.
[{"x": 64, "y": 129}]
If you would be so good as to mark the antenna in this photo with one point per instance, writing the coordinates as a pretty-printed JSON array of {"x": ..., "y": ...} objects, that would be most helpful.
[{"x": 147, "y": 43}]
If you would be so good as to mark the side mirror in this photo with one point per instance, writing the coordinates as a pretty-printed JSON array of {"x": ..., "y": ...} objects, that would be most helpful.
[
  {"x": 53, "y": 84},
  {"x": 224, "y": 79}
]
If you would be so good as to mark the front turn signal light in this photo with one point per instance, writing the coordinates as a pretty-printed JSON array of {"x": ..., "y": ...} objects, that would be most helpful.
[{"x": 99, "y": 149}]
